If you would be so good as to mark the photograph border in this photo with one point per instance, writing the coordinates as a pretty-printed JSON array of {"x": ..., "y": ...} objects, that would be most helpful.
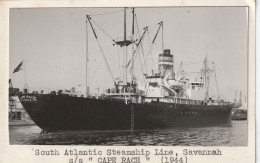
[{"x": 24, "y": 153}]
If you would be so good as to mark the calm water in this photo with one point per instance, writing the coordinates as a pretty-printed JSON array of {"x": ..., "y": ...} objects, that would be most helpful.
[{"x": 228, "y": 135}]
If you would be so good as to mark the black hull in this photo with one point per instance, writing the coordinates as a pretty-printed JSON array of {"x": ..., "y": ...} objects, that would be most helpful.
[{"x": 57, "y": 112}]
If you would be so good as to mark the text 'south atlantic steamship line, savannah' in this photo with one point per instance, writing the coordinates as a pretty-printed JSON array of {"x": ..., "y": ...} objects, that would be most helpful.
[{"x": 165, "y": 99}]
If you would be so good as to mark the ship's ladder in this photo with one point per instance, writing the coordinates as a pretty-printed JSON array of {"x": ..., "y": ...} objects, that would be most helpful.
[{"x": 132, "y": 117}]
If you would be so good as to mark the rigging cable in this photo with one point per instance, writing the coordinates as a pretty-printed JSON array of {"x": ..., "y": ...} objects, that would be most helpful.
[
  {"x": 101, "y": 50},
  {"x": 153, "y": 42},
  {"x": 146, "y": 58},
  {"x": 216, "y": 78},
  {"x": 150, "y": 45},
  {"x": 136, "y": 50},
  {"x": 162, "y": 37},
  {"x": 107, "y": 13},
  {"x": 118, "y": 58},
  {"x": 141, "y": 65},
  {"x": 141, "y": 43},
  {"x": 119, "y": 65},
  {"x": 103, "y": 30},
  {"x": 103, "y": 54},
  {"x": 25, "y": 85}
]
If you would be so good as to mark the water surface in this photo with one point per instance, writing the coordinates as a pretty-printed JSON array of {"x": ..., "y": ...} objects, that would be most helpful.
[{"x": 223, "y": 135}]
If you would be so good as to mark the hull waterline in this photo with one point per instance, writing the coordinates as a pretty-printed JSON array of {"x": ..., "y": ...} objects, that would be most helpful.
[{"x": 59, "y": 112}]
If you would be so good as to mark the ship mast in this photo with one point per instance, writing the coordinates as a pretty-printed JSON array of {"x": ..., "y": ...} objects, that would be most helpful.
[
  {"x": 132, "y": 40},
  {"x": 125, "y": 80},
  {"x": 87, "y": 88},
  {"x": 216, "y": 79},
  {"x": 162, "y": 36},
  {"x": 205, "y": 79},
  {"x": 124, "y": 43}
]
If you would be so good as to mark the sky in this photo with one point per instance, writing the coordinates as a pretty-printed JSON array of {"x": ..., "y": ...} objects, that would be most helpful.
[{"x": 52, "y": 44}]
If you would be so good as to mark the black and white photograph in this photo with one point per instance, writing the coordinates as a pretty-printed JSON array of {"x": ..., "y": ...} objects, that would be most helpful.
[{"x": 129, "y": 76}]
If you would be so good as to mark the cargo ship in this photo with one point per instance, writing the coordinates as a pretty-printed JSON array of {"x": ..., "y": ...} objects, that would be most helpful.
[{"x": 165, "y": 99}]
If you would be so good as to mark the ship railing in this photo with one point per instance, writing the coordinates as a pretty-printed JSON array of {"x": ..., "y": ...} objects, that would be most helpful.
[
  {"x": 212, "y": 102},
  {"x": 55, "y": 91},
  {"x": 185, "y": 101},
  {"x": 128, "y": 90},
  {"x": 176, "y": 100},
  {"x": 188, "y": 101},
  {"x": 113, "y": 99}
]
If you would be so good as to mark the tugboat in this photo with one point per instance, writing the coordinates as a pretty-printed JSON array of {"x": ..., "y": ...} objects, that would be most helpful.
[{"x": 164, "y": 100}]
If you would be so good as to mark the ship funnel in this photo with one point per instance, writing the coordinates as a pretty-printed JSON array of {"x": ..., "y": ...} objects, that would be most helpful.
[{"x": 166, "y": 64}]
